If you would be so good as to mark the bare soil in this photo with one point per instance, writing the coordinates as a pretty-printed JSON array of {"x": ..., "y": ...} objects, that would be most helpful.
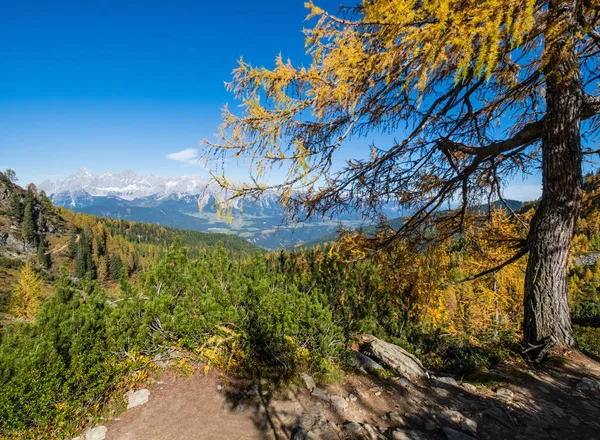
[{"x": 545, "y": 405}]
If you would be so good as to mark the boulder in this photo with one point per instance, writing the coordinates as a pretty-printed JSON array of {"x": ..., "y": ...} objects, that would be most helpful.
[
  {"x": 469, "y": 387},
  {"x": 96, "y": 433},
  {"x": 445, "y": 382},
  {"x": 309, "y": 382},
  {"x": 137, "y": 398},
  {"x": 338, "y": 402},
  {"x": 363, "y": 362},
  {"x": 321, "y": 394},
  {"x": 393, "y": 357}
]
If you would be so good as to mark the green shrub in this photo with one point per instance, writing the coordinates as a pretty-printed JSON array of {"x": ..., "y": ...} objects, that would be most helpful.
[
  {"x": 588, "y": 338},
  {"x": 56, "y": 370}
]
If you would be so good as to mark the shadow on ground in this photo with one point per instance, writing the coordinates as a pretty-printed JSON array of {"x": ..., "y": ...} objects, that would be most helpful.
[{"x": 510, "y": 402}]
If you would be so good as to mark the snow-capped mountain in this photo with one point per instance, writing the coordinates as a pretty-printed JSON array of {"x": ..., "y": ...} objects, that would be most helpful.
[
  {"x": 128, "y": 185},
  {"x": 186, "y": 202}
]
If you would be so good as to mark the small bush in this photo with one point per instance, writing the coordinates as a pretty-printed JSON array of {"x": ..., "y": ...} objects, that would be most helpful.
[{"x": 588, "y": 338}]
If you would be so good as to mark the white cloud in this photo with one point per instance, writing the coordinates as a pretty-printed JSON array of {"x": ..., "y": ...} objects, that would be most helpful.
[{"x": 189, "y": 156}]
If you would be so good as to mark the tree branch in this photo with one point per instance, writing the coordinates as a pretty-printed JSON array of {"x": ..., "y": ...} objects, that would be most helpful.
[
  {"x": 591, "y": 106},
  {"x": 511, "y": 260}
]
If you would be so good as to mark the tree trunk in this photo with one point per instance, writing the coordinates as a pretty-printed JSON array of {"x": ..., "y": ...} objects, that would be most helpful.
[{"x": 547, "y": 317}]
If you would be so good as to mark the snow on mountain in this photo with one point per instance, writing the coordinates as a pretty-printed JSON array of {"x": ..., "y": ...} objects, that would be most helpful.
[{"x": 128, "y": 185}]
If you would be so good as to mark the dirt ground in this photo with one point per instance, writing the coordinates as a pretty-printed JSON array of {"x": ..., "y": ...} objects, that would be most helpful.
[{"x": 542, "y": 403}]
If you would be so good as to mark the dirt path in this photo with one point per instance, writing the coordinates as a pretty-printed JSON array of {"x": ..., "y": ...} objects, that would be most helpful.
[
  {"x": 544, "y": 403},
  {"x": 183, "y": 409}
]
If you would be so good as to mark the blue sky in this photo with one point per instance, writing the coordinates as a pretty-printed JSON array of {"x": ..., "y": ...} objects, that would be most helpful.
[{"x": 128, "y": 85}]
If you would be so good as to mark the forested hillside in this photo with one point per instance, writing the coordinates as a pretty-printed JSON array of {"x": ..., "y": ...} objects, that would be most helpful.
[{"x": 34, "y": 232}]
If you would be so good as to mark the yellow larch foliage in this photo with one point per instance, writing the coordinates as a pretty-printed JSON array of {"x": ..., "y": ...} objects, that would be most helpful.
[{"x": 26, "y": 298}]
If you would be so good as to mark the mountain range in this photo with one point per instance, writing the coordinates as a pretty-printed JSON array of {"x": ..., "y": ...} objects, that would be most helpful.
[{"x": 187, "y": 202}]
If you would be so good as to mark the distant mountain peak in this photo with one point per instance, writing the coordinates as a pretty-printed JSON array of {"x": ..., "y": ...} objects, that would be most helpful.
[{"x": 128, "y": 184}]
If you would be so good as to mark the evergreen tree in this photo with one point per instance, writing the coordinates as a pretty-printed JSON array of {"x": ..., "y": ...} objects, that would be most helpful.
[
  {"x": 42, "y": 225},
  {"x": 44, "y": 257},
  {"x": 72, "y": 247},
  {"x": 16, "y": 208},
  {"x": 11, "y": 175},
  {"x": 28, "y": 229},
  {"x": 83, "y": 259},
  {"x": 115, "y": 267}
]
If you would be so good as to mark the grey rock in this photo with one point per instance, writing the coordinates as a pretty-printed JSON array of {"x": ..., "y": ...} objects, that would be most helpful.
[
  {"x": 468, "y": 425},
  {"x": 137, "y": 398},
  {"x": 430, "y": 426},
  {"x": 469, "y": 387},
  {"x": 339, "y": 402},
  {"x": 159, "y": 359},
  {"x": 505, "y": 393},
  {"x": 352, "y": 398},
  {"x": 588, "y": 384},
  {"x": 451, "y": 416},
  {"x": 372, "y": 433},
  {"x": 441, "y": 392},
  {"x": 451, "y": 434},
  {"x": 403, "y": 381},
  {"x": 309, "y": 382},
  {"x": 574, "y": 421},
  {"x": 321, "y": 394},
  {"x": 252, "y": 391},
  {"x": 446, "y": 381},
  {"x": 408, "y": 435},
  {"x": 396, "y": 418},
  {"x": 353, "y": 428},
  {"x": 394, "y": 357},
  {"x": 363, "y": 362},
  {"x": 96, "y": 433}
]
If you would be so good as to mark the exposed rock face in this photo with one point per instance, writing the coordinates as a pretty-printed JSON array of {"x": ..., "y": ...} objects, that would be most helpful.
[{"x": 393, "y": 357}]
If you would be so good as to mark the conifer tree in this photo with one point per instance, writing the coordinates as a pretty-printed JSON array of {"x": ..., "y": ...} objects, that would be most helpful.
[
  {"x": 72, "y": 246},
  {"x": 44, "y": 257},
  {"x": 28, "y": 227},
  {"x": 26, "y": 296},
  {"x": 116, "y": 264},
  {"x": 83, "y": 259},
  {"x": 16, "y": 208}
]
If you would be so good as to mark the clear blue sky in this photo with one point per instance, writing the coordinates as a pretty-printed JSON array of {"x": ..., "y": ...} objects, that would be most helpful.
[
  {"x": 115, "y": 85},
  {"x": 121, "y": 85}
]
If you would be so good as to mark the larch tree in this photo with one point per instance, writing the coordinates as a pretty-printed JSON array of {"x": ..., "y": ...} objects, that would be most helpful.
[
  {"x": 473, "y": 93},
  {"x": 26, "y": 296}
]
